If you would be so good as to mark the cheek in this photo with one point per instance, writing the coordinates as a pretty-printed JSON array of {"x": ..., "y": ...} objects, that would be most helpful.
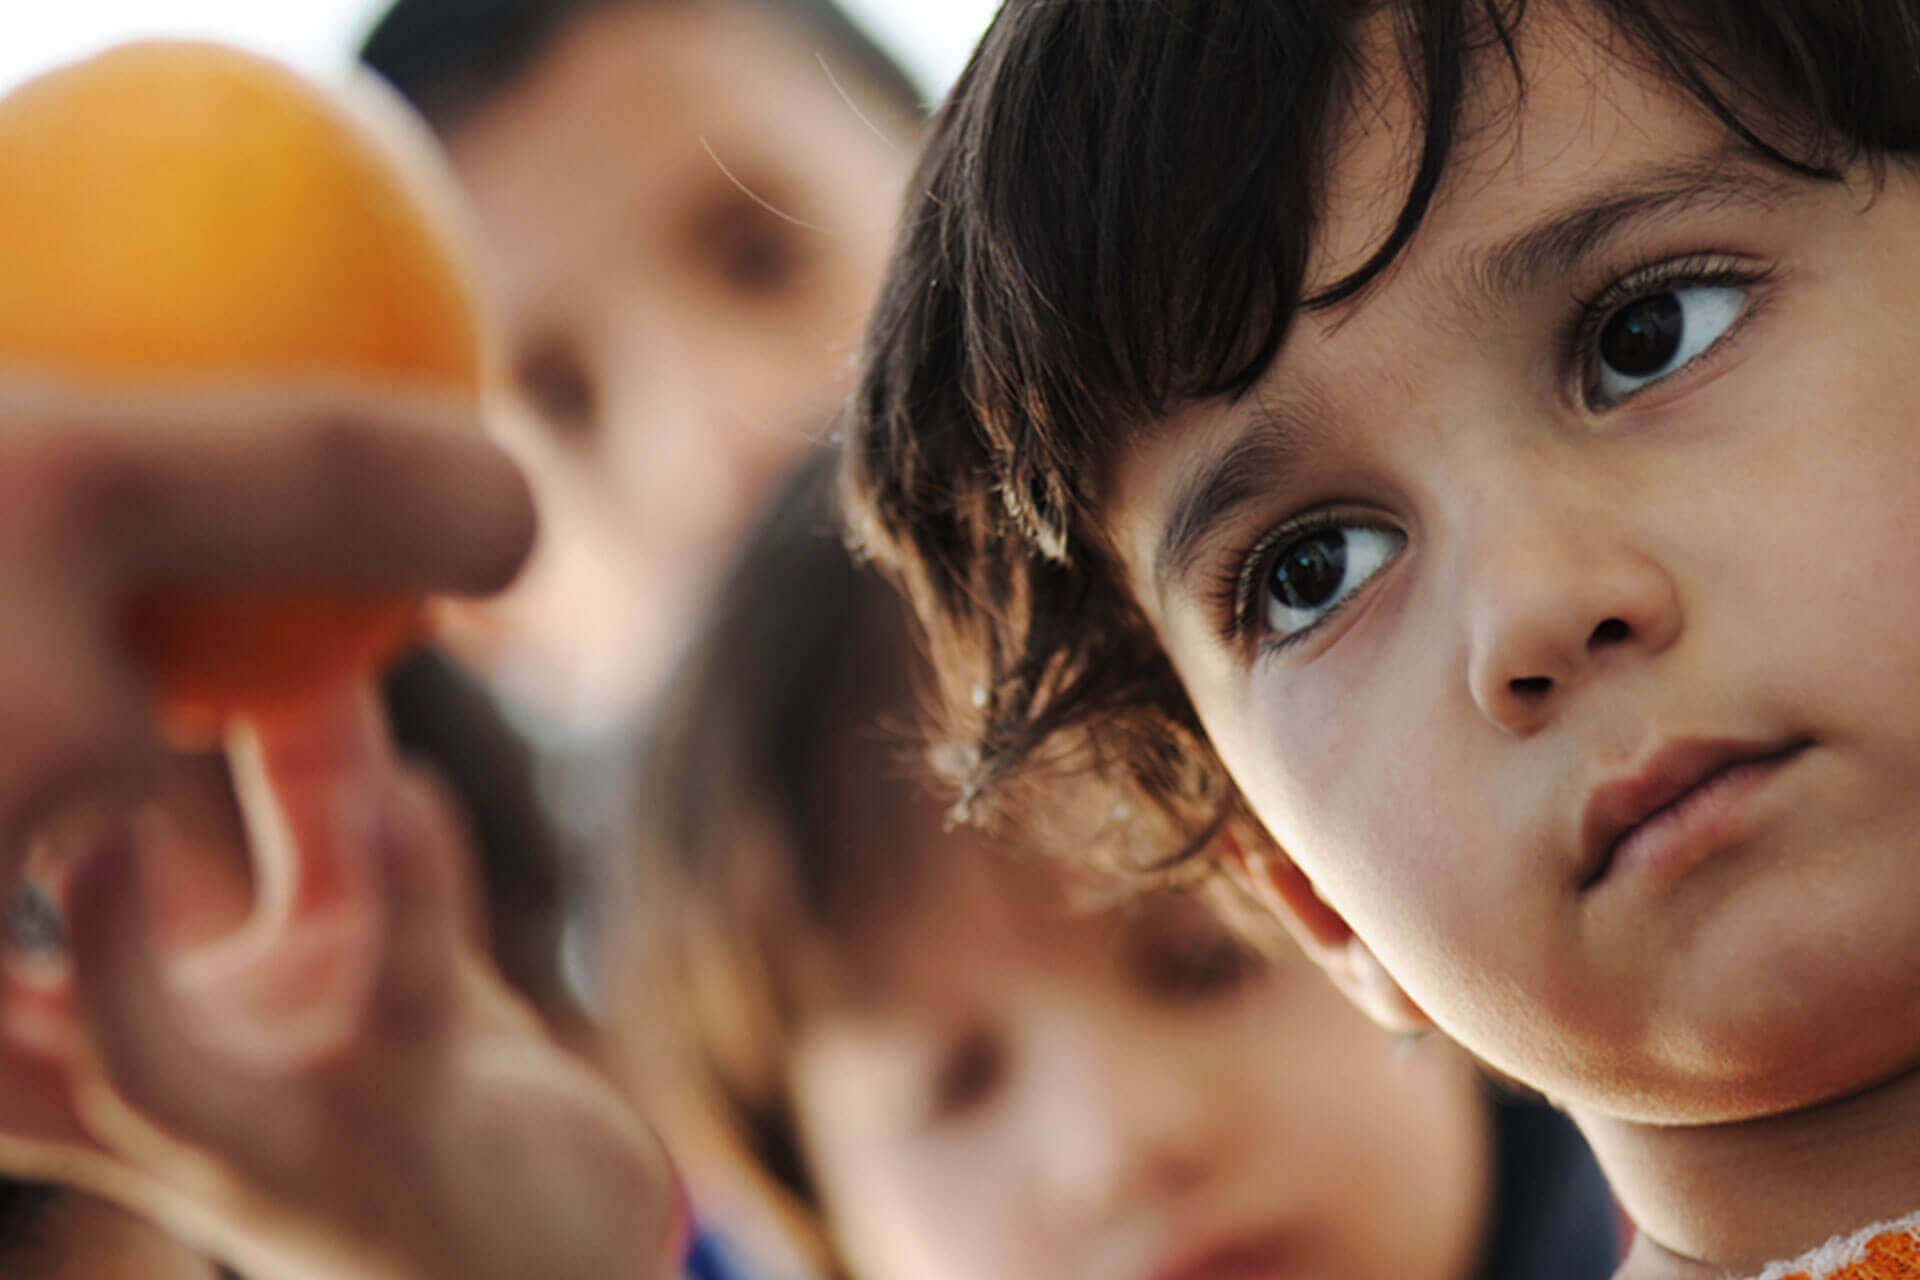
[
  {"x": 923, "y": 1209},
  {"x": 900, "y": 1202},
  {"x": 1361, "y": 766},
  {"x": 1807, "y": 528}
]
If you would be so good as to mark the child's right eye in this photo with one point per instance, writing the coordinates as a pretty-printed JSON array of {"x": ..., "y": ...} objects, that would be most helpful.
[
  {"x": 1189, "y": 970},
  {"x": 1305, "y": 571}
]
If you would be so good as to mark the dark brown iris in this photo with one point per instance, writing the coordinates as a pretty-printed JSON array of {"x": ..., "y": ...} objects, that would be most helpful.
[
  {"x": 1644, "y": 336},
  {"x": 1310, "y": 571}
]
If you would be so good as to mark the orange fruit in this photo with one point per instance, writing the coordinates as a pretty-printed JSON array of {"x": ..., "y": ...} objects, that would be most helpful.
[{"x": 183, "y": 218}]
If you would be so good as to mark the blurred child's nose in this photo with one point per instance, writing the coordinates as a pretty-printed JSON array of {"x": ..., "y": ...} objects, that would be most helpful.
[
  {"x": 1555, "y": 591},
  {"x": 693, "y": 456},
  {"x": 1119, "y": 1120}
]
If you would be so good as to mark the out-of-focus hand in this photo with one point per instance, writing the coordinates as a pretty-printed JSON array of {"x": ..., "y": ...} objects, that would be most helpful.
[
  {"x": 94, "y": 512},
  {"x": 340, "y": 1087}
]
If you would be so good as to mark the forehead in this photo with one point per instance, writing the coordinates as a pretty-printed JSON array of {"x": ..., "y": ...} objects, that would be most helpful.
[
  {"x": 1580, "y": 100},
  {"x": 977, "y": 922},
  {"x": 1542, "y": 165},
  {"x": 639, "y": 110},
  {"x": 957, "y": 904}
]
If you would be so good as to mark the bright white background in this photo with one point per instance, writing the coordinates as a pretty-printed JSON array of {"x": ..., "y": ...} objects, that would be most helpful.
[{"x": 931, "y": 37}]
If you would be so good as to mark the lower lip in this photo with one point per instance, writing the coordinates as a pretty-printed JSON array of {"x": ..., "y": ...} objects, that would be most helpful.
[
  {"x": 1699, "y": 824},
  {"x": 1266, "y": 1261}
]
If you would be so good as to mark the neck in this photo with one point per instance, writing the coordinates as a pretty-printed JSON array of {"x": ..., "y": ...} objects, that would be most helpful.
[{"x": 1737, "y": 1196}]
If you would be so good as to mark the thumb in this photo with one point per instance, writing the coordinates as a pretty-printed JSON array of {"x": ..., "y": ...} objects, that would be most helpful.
[{"x": 423, "y": 891}]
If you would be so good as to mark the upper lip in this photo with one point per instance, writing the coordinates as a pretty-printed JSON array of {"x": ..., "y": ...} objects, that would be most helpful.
[
  {"x": 1224, "y": 1256},
  {"x": 1616, "y": 807}
]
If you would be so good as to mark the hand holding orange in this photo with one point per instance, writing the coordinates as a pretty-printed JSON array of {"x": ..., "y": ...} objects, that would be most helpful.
[{"x": 185, "y": 221}]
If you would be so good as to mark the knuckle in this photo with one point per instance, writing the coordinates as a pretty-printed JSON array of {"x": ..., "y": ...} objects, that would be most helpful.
[
  {"x": 135, "y": 1084},
  {"x": 68, "y": 492},
  {"x": 344, "y": 459},
  {"x": 64, "y": 738},
  {"x": 500, "y": 558}
]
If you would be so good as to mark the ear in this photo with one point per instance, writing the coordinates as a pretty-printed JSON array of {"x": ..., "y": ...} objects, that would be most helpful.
[{"x": 1277, "y": 883}]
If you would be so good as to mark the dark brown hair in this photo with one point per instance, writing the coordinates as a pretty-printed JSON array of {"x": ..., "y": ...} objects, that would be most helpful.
[
  {"x": 451, "y": 57},
  {"x": 764, "y": 859},
  {"x": 1112, "y": 219}
]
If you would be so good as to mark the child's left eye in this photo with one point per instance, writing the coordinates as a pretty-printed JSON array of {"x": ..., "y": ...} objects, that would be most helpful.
[{"x": 1657, "y": 335}]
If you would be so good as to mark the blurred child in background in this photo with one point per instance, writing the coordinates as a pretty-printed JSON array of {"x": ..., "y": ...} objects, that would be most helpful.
[
  {"x": 956, "y": 1070},
  {"x": 685, "y": 206}
]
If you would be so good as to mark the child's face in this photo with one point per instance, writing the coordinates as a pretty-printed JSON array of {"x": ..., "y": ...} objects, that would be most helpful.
[
  {"x": 1031, "y": 1094},
  {"x": 673, "y": 342},
  {"x": 1498, "y": 557}
]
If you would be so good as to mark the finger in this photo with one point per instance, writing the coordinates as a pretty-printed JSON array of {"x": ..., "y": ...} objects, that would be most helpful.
[
  {"x": 425, "y": 906},
  {"x": 37, "y": 1048},
  {"x": 140, "y": 1032},
  {"x": 209, "y": 496},
  {"x": 167, "y": 1120},
  {"x": 291, "y": 989},
  {"x": 75, "y": 718}
]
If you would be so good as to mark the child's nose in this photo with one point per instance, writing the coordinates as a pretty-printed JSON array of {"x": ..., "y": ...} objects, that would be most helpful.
[
  {"x": 1121, "y": 1124},
  {"x": 1557, "y": 595}
]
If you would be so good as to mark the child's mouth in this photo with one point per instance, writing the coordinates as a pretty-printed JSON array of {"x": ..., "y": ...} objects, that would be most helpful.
[{"x": 1679, "y": 805}]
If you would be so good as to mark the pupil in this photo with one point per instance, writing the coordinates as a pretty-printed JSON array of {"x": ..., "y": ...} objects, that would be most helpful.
[
  {"x": 1644, "y": 336},
  {"x": 1311, "y": 571}
]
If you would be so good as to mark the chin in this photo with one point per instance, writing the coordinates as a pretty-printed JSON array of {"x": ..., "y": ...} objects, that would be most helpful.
[{"x": 1781, "y": 1035}]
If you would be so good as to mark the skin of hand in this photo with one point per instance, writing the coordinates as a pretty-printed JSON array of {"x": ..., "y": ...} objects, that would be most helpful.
[
  {"x": 100, "y": 505},
  {"x": 341, "y": 1086}
]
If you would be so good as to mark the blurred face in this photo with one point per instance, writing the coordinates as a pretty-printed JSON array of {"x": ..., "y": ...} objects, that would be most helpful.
[
  {"x": 1556, "y": 604},
  {"x": 685, "y": 221},
  {"x": 1031, "y": 1093}
]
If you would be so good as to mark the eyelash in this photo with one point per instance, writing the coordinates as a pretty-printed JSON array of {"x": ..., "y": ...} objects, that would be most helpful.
[
  {"x": 1235, "y": 595},
  {"x": 1648, "y": 280}
]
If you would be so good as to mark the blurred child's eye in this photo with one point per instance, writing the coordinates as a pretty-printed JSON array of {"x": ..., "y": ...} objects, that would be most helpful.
[
  {"x": 553, "y": 377},
  {"x": 1184, "y": 969},
  {"x": 1303, "y": 573},
  {"x": 750, "y": 251},
  {"x": 967, "y": 1075}
]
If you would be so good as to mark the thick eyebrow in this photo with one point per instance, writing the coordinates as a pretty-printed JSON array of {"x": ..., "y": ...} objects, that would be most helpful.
[
  {"x": 1272, "y": 444},
  {"x": 1556, "y": 246}
]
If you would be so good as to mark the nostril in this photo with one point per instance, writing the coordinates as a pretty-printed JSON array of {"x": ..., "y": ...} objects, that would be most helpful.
[
  {"x": 1610, "y": 632},
  {"x": 1532, "y": 688}
]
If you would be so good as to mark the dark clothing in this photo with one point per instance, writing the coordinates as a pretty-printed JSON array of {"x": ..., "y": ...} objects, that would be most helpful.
[{"x": 1554, "y": 1217}]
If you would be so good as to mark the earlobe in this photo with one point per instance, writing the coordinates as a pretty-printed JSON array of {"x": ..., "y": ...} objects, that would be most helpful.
[
  {"x": 1378, "y": 994},
  {"x": 1273, "y": 880},
  {"x": 1277, "y": 883}
]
